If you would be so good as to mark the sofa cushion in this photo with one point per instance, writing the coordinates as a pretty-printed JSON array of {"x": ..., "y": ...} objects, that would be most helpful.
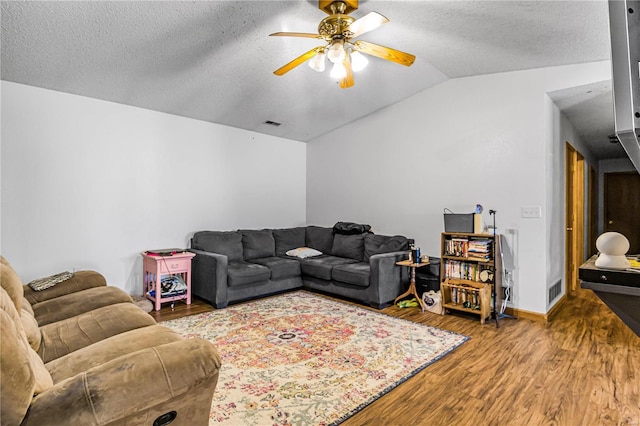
[
  {"x": 23, "y": 373},
  {"x": 243, "y": 273},
  {"x": 81, "y": 280},
  {"x": 77, "y": 303},
  {"x": 257, "y": 244},
  {"x": 353, "y": 273},
  {"x": 26, "y": 306},
  {"x": 321, "y": 266},
  {"x": 289, "y": 238},
  {"x": 106, "y": 350},
  {"x": 43, "y": 378},
  {"x": 12, "y": 284},
  {"x": 228, "y": 243},
  {"x": 280, "y": 267},
  {"x": 18, "y": 381},
  {"x": 63, "y": 337},
  {"x": 31, "y": 329},
  {"x": 377, "y": 244},
  {"x": 319, "y": 238},
  {"x": 351, "y": 246}
]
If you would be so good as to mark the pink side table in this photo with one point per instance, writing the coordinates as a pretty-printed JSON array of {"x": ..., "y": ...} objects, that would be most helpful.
[{"x": 154, "y": 267}]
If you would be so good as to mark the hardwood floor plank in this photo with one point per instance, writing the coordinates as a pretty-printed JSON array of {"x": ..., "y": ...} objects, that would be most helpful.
[{"x": 582, "y": 368}]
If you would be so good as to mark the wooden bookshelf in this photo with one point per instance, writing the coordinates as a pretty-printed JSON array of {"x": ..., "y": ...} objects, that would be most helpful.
[
  {"x": 469, "y": 273},
  {"x": 467, "y": 296}
]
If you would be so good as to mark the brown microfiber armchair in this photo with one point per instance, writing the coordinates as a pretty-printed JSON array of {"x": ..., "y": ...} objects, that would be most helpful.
[{"x": 144, "y": 373}]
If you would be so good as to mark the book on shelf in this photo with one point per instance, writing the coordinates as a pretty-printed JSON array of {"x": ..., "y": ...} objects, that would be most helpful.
[
  {"x": 480, "y": 249},
  {"x": 473, "y": 248},
  {"x": 456, "y": 246},
  {"x": 467, "y": 271}
]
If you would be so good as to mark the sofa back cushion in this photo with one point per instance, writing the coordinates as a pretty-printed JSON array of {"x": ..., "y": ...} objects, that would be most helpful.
[
  {"x": 22, "y": 372},
  {"x": 12, "y": 284},
  {"x": 17, "y": 381},
  {"x": 349, "y": 246},
  {"x": 319, "y": 238},
  {"x": 31, "y": 329},
  {"x": 228, "y": 243},
  {"x": 289, "y": 239},
  {"x": 257, "y": 244},
  {"x": 377, "y": 244}
]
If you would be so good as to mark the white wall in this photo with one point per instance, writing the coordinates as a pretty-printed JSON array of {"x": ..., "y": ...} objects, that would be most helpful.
[
  {"x": 89, "y": 184},
  {"x": 560, "y": 132},
  {"x": 482, "y": 139}
]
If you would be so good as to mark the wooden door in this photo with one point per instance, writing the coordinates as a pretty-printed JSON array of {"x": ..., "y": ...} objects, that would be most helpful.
[
  {"x": 574, "y": 234},
  {"x": 622, "y": 206},
  {"x": 593, "y": 212}
]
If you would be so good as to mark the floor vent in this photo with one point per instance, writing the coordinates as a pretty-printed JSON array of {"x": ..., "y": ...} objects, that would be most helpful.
[{"x": 555, "y": 290}]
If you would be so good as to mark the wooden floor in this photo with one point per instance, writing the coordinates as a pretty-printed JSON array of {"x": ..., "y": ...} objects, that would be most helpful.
[{"x": 582, "y": 368}]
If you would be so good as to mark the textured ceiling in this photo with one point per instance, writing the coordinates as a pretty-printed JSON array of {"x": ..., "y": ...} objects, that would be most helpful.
[
  {"x": 213, "y": 60},
  {"x": 589, "y": 108}
]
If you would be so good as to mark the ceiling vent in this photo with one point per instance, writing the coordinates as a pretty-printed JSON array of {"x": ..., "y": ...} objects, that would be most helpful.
[{"x": 272, "y": 123}]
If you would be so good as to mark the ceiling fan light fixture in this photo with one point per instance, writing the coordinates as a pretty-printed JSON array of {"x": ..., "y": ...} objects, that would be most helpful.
[
  {"x": 338, "y": 71},
  {"x": 338, "y": 32},
  {"x": 336, "y": 52},
  {"x": 358, "y": 61},
  {"x": 317, "y": 63}
]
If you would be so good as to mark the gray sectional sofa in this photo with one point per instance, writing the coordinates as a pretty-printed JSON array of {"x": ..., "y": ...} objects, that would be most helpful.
[{"x": 231, "y": 266}]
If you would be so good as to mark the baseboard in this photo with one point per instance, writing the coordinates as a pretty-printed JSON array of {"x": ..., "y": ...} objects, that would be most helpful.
[
  {"x": 521, "y": 313},
  {"x": 556, "y": 308},
  {"x": 536, "y": 316}
]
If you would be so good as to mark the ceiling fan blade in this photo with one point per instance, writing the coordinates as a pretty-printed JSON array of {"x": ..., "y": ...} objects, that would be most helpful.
[
  {"x": 347, "y": 80},
  {"x": 368, "y": 22},
  {"x": 387, "y": 53},
  {"x": 297, "y": 61},
  {"x": 307, "y": 35}
]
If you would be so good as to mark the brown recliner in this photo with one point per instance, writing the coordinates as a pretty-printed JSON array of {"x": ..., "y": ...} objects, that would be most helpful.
[
  {"x": 133, "y": 372},
  {"x": 83, "y": 292}
]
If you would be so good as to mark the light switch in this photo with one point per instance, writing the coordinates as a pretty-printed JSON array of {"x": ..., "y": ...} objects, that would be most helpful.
[{"x": 531, "y": 211}]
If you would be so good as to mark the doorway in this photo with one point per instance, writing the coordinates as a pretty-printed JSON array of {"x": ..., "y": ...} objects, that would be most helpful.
[
  {"x": 622, "y": 206},
  {"x": 574, "y": 233},
  {"x": 592, "y": 231}
]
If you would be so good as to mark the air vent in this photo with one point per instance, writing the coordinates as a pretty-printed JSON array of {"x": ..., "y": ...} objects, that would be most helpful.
[
  {"x": 555, "y": 290},
  {"x": 272, "y": 123},
  {"x": 614, "y": 138}
]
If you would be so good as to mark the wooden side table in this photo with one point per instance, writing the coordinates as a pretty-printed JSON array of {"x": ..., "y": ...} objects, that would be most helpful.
[
  {"x": 155, "y": 267},
  {"x": 412, "y": 284}
]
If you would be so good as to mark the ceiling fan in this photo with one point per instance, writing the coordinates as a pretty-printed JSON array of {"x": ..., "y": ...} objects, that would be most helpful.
[{"x": 338, "y": 31}]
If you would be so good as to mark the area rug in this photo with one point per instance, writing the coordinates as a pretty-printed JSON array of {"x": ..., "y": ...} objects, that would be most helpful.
[{"x": 304, "y": 359}]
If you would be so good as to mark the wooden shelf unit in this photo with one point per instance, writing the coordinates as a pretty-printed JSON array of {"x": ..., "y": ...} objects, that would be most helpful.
[
  {"x": 457, "y": 293},
  {"x": 469, "y": 272}
]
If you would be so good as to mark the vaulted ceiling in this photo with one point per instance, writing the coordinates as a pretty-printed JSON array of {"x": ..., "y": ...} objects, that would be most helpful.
[{"x": 214, "y": 60}]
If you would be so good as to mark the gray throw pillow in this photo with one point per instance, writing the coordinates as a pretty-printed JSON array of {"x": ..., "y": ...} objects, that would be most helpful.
[
  {"x": 350, "y": 246},
  {"x": 228, "y": 243}
]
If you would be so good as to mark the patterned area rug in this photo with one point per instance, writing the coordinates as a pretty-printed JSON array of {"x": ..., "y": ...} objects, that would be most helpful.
[{"x": 303, "y": 359}]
